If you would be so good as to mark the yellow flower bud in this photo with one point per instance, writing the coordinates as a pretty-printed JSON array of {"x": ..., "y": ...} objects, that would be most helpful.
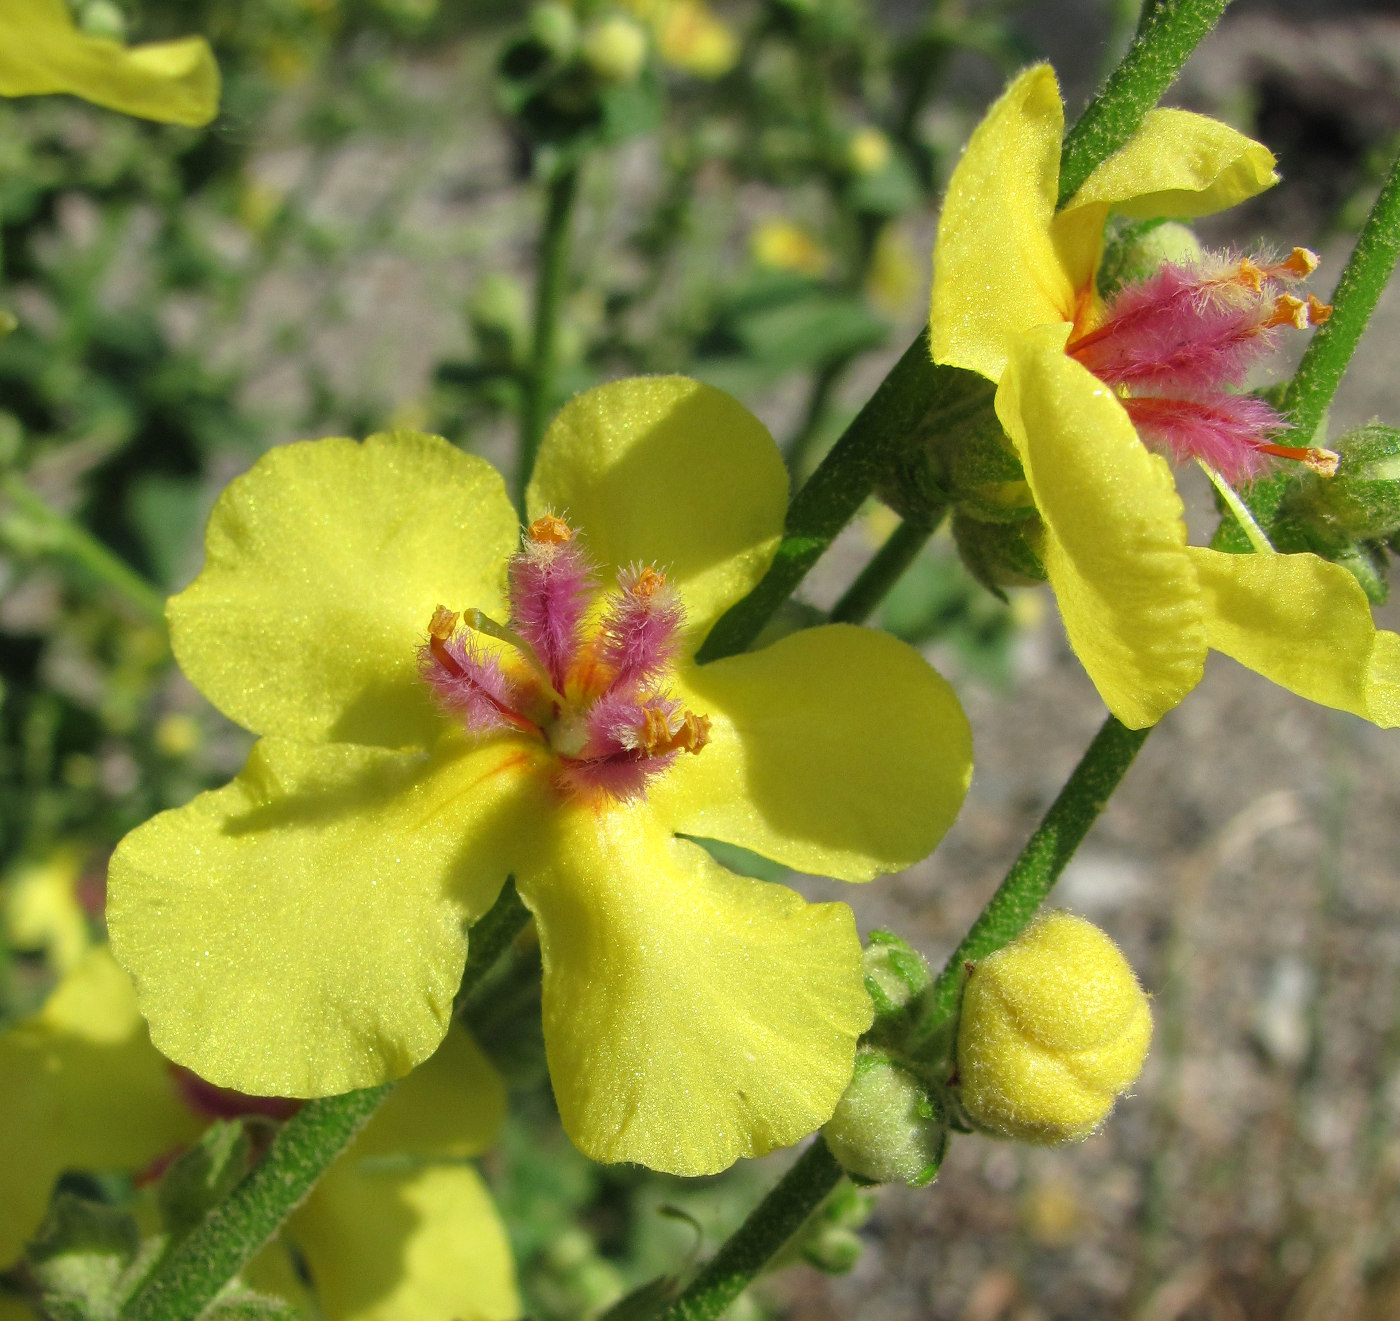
[
  {"x": 1054, "y": 1028},
  {"x": 616, "y": 49},
  {"x": 868, "y": 151}
]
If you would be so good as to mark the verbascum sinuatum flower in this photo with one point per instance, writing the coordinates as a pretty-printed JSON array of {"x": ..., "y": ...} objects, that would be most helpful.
[
  {"x": 415, "y": 1238},
  {"x": 1093, "y": 394},
  {"x": 42, "y": 51},
  {"x": 444, "y": 704},
  {"x": 1054, "y": 1028}
]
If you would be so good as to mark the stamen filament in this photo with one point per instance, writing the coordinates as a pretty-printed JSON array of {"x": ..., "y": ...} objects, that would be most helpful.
[
  {"x": 443, "y": 657},
  {"x": 480, "y": 622}
]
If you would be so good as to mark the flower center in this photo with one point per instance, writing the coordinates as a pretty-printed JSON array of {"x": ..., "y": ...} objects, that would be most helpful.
[
  {"x": 1177, "y": 347},
  {"x": 583, "y": 671}
]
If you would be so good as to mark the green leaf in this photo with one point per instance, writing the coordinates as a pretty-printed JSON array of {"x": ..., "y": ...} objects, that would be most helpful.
[
  {"x": 87, "y": 1259},
  {"x": 203, "y": 1176}
]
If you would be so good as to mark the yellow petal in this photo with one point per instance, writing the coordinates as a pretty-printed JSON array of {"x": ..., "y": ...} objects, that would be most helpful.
[
  {"x": 1115, "y": 540},
  {"x": 451, "y": 1106},
  {"x": 690, "y": 1016},
  {"x": 837, "y": 750},
  {"x": 41, "y": 51},
  {"x": 663, "y": 470},
  {"x": 300, "y": 931},
  {"x": 995, "y": 268},
  {"x": 1306, "y": 624},
  {"x": 40, "y": 910},
  {"x": 324, "y": 564},
  {"x": 80, "y": 1088},
  {"x": 384, "y": 1243},
  {"x": 1177, "y": 165}
]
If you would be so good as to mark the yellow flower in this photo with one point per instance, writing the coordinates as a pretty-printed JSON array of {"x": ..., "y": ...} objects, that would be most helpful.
[
  {"x": 1054, "y": 1029},
  {"x": 42, "y": 51},
  {"x": 415, "y": 1239},
  {"x": 40, "y": 908},
  {"x": 1013, "y": 279},
  {"x": 300, "y": 932},
  {"x": 782, "y": 245},
  {"x": 690, "y": 37}
]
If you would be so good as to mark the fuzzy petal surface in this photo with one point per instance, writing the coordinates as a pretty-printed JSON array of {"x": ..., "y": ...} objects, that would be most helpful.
[
  {"x": 80, "y": 1087},
  {"x": 837, "y": 750},
  {"x": 390, "y": 1238},
  {"x": 1177, "y": 165},
  {"x": 691, "y": 1016},
  {"x": 1115, "y": 537},
  {"x": 1306, "y": 624},
  {"x": 664, "y": 470},
  {"x": 323, "y": 565},
  {"x": 996, "y": 272},
  {"x": 42, "y": 51},
  {"x": 299, "y": 932},
  {"x": 388, "y": 1243}
]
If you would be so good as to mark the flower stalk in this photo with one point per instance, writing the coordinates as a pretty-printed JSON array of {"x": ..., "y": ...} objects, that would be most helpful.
[
  {"x": 886, "y": 568},
  {"x": 537, "y": 394},
  {"x": 63, "y": 537},
  {"x": 1367, "y": 271},
  {"x": 769, "y": 1226}
]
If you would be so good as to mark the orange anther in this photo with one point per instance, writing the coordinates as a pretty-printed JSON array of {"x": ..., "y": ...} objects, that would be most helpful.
[
  {"x": 648, "y": 583},
  {"x": 1299, "y": 265},
  {"x": 443, "y": 624},
  {"x": 550, "y": 531},
  {"x": 1288, "y": 311},
  {"x": 1322, "y": 462},
  {"x": 1318, "y": 311},
  {"x": 1250, "y": 274},
  {"x": 695, "y": 732},
  {"x": 655, "y": 735}
]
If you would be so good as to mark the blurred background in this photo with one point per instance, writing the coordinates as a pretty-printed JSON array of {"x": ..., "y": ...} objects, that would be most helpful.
[{"x": 352, "y": 246}]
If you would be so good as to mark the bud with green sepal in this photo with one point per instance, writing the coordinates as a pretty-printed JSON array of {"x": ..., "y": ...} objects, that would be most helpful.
[
  {"x": 1054, "y": 1028},
  {"x": 889, "y": 1127},
  {"x": 895, "y": 975},
  {"x": 999, "y": 555},
  {"x": 1134, "y": 250}
]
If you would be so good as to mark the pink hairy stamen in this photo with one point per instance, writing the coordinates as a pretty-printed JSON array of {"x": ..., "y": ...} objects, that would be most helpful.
[
  {"x": 641, "y": 630},
  {"x": 550, "y": 582},
  {"x": 1175, "y": 345},
  {"x": 595, "y": 681}
]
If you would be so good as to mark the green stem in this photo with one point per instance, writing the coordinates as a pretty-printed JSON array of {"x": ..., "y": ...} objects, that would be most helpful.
[
  {"x": 758, "y": 1240},
  {"x": 185, "y": 1282},
  {"x": 883, "y": 571},
  {"x": 897, "y": 415},
  {"x": 1167, "y": 35},
  {"x": 537, "y": 396},
  {"x": 1035, "y": 871},
  {"x": 61, "y": 536},
  {"x": 1308, "y": 394}
]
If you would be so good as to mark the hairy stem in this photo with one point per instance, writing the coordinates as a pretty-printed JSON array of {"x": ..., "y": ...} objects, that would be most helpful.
[
  {"x": 537, "y": 396},
  {"x": 1169, "y": 32},
  {"x": 884, "y": 570},
  {"x": 759, "y": 1239},
  {"x": 1034, "y": 873},
  {"x": 1308, "y": 394},
  {"x": 59, "y": 535},
  {"x": 185, "y": 1282},
  {"x": 900, "y": 411}
]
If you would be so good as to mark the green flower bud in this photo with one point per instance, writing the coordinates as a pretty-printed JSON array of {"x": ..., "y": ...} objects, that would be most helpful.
[
  {"x": 615, "y": 48},
  {"x": 1363, "y": 497},
  {"x": 894, "y": 974},
  {"x": 554, "y": 26},
  {"x": 1133, "y": 250},
  {"x": 999, "y": 555},
  {"x": 887, "y": 1128},
  {"x": 1054, "y": 1028},
  {"x": 102, "y": 18}
]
